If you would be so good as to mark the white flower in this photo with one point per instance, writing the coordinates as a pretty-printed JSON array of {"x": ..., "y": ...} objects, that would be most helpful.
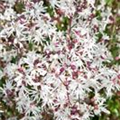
[
  {"x": 54, "y": 3},
  {"x": 9, "y": 14},
  {"x": 57, "y": 69}
]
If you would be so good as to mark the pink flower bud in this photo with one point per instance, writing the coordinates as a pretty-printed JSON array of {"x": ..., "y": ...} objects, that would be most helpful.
[
  {"x": 61, "y": 70},
  {"x": 117, "y": 58},
  {"x": 73, "y": 67},
  {"x": 74, "y": 74},
  {"x": 118, "y": 76}
]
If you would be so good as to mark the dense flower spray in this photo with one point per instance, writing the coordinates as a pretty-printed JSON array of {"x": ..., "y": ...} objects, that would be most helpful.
[{"x": 53, "y": 60}]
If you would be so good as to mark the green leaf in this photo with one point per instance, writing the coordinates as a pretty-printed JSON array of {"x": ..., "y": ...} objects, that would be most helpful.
[
  {"x": 19, "y": 7},
  {"x": 98, "y": 15},
  {"x": 115, "y": 51},
  {"x": 2, "y": 81},
  {"x": 109, "y": 2},
  {"x": 14, "y": 59},
  {"x": 30, "y": 45},
  {"x": 50, "y": 10}
]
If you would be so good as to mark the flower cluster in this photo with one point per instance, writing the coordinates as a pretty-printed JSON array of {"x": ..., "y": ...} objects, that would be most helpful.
[{"x": 54, "y": 59}]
